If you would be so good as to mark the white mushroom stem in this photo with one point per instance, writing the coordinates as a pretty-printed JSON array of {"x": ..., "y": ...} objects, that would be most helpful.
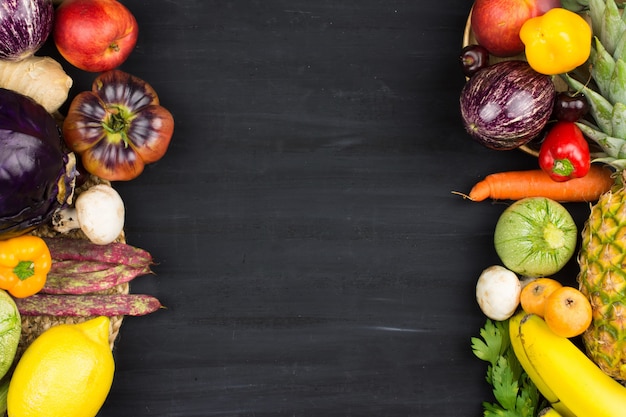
[
  {"x": 65, "y": 220},
  {"x": 98, "y": 212}
]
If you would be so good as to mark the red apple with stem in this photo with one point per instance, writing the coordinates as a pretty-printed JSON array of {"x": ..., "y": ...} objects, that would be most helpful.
[
  {"x": 94, "y": 35},
  {"x": 496, "y": 23}
]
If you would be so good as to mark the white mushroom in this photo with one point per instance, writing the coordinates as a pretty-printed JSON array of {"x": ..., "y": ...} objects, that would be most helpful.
[
  {"x": 98, "y": 212},
  {"x": 498, "y": 292}
]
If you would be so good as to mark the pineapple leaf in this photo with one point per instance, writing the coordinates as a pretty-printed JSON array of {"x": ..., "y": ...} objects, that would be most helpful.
[
  {"x": 612, "y": 26},
  {"x": 596, "y": 13},
  {"x": 575, "y": 5},
  {"x": 603, "y": 65},
  {"x": 610, "y": 145},
  {"x": 617, "y": 89},
  {"x": 618, "y": 164},
  {"x": 619, "y": 120},
  {"x": 599, "y": 107},
  {"x": 620, "y": 48}
]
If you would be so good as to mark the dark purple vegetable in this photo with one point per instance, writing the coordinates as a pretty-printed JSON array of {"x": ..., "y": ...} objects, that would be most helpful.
[
  {"x": 570, "y": 107},
  {"x": 36, "y": 173},
  {"x": 506, "y": 104},
  {"x": 24, "y": 27},
  {"x": 473, "y": 58}
]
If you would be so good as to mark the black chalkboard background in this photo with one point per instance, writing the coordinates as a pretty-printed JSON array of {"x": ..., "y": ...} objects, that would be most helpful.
[{"x": 310, "y": 252}]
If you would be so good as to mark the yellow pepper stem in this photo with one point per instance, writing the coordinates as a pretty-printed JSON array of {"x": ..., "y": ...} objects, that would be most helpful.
[{"x": 24, "y": 269}]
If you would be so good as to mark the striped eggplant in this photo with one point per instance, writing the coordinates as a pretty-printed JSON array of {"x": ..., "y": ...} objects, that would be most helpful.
[
  {"x": 24, "y": 27},
  {"x": 506, "y": 104}
]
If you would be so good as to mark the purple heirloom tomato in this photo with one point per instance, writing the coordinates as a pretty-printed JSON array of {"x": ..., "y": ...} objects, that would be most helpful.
[{"x": 118, "y": 127}]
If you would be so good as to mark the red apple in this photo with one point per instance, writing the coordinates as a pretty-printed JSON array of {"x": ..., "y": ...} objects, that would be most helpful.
[
  {"x": 496, "y": 23},
  {"x": 94, "y": 35}
]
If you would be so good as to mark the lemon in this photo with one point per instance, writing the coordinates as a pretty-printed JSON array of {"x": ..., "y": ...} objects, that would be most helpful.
[{"x": 66, "y": 372}]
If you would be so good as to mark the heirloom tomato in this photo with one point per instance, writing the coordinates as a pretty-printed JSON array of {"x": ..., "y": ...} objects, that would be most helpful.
[{"x": 118, "y": 127}]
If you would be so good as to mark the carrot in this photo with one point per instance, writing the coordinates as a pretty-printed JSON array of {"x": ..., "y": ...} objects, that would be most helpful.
[{"x": 515, "y": 185}]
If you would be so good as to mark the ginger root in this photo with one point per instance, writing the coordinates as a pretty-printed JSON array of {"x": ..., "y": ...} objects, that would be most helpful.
[{"x": 38, "y": 77}]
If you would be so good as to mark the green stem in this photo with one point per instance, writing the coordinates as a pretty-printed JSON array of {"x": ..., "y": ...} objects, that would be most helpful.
[
  {"x": 117, "y": 123},
  {"x": 24, "y": 270},
  {"x": 563, "y": 167}
]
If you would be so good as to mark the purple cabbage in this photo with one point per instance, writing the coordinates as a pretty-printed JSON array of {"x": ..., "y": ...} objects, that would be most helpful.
[
  {"x": 37, "y": 174},
  {"x": 24, "y": 27}
]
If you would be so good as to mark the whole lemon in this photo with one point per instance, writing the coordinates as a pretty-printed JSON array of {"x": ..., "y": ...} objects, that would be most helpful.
[{"x": 66, "y": 372}]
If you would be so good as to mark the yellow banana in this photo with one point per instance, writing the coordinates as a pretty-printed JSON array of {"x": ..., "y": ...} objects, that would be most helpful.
[
  {"x": 520, "y": 353},
  {"x": 549, "y": 412},
  {"x": 578, "y": 382}
]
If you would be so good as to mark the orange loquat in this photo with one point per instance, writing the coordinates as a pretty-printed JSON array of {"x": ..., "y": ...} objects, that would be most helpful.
[
  {"x": 567, "y": 312},
  {"x": 534, "y": 295}
]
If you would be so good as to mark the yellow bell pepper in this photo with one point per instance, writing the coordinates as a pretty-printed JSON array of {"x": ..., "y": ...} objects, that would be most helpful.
[
  {"x": 24, "y": 265},
  {"x": 557, "y": 41}
]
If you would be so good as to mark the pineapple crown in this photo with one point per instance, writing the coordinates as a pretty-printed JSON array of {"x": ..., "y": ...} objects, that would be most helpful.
[{"x": 607, "y": 94}]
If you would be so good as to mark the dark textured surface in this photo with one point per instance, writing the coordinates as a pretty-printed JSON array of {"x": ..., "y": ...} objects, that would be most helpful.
[{"x": 311, "y": 255}]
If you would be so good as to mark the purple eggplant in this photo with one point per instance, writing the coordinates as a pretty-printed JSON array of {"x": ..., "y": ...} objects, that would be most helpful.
[
  {"x": 37, "y": 173},
  {"x": 507, "y": 104},
  {"x": 24, "y": 27}
]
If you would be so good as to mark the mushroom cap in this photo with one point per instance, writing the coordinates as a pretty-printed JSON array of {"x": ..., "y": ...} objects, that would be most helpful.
[
  {"x": 100, "y": 211},
  {"x": 498, "y": 292}
]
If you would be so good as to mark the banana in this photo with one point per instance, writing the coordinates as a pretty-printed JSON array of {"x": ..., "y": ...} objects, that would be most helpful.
[
  {"x": 549, "y": 412},
  {"x": 578, "y": 382},
  {"x": 516, "y": 342}
]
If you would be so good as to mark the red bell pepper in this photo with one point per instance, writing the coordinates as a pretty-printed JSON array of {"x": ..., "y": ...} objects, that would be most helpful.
[{"x": 564, "y": 153}]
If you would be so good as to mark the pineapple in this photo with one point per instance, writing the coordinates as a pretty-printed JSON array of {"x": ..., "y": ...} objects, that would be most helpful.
[
  {"x": 602, "y": 257},
  {"x": 602, "y": 278}
]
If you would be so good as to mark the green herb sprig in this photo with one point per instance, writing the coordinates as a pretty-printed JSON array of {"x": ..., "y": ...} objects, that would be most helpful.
[{"x": 515, "y": 394}]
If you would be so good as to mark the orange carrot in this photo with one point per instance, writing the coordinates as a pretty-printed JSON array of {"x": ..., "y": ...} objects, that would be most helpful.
[{"x": 515, "y": 185}]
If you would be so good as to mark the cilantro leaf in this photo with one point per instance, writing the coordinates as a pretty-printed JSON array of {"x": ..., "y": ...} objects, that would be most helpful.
[
  {"x": 515, "y": 394},
  {"x": 505, "y": 386},
  {"x": 494, "y": 410},
  {"x": 494, "y": 342}
]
